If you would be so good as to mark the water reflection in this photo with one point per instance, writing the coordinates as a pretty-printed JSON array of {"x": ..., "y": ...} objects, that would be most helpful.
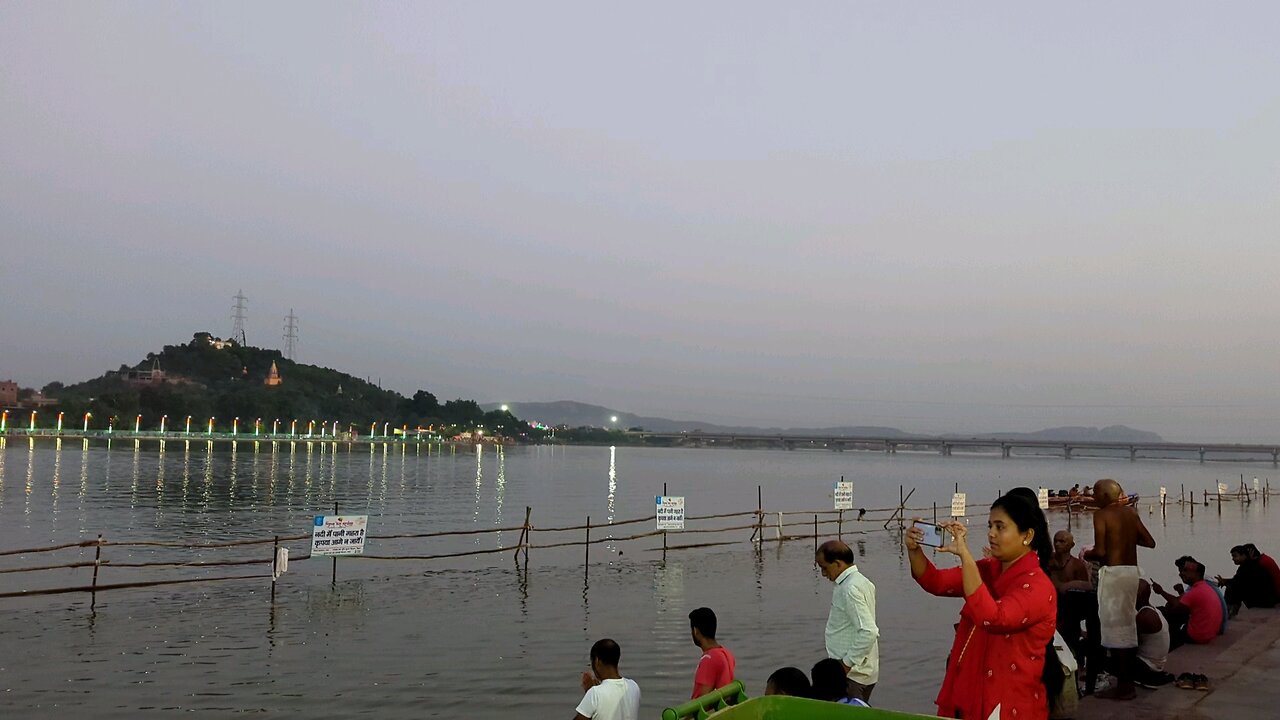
[
  {"x": 160, "y": 484},
  {"x": 475, "y": 517},
  {"x": 186, "y": 473},
  {"x": 137, "y": 473},
  {"x": 31, "y": 475},
  {"x": 501, "y": 490},
  {"x": 232, "y": 477},
  {"x": 207, "y": 495},
  {"x": 613, "y": 492},
  {"x": 84, "y": 480},
  {"x": 57, "y": 480}
]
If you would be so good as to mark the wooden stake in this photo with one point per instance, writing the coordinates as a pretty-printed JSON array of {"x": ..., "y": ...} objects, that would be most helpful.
[
  {"x": 97, "y": 561},
  {"x": 586, "y": 557}
]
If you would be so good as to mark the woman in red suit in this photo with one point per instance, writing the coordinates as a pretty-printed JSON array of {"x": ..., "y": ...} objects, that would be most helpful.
[{"x": 996, "y": 669}]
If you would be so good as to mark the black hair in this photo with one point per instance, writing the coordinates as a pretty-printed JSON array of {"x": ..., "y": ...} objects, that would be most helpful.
[
  {"x": 833, "y": 550},
  {"x": 1022, "y": 505},
  {"x": 703, "y": 620},
  {"x": 607, "y": 652},
  {"x": 1240, "y": 550},
  {"x": 1251, "y": 550},
  {"x": 790, "y": 681},
  {"x": 1183, "y": 561},
  {"x": 829, "y": 680},
  {"x": 1199, "y": 568}
]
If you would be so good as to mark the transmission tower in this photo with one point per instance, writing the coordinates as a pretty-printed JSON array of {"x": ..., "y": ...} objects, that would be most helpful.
[
  {"x": 290, "y": 334},
  {"x": 238, "y": 316}
]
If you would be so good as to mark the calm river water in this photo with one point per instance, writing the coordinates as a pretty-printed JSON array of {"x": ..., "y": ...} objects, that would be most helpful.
[{"x": 479, "y": 636}]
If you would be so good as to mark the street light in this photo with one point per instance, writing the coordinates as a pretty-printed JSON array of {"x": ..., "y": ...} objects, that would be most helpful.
[
  {"x": 385, "y": 425},
  {"x": 163, "y": 418},
  {"x": 188, "y": 424},
  {"x": 4, "y": 420},
  {"x": 311, "y": 424},
  {"x": 504, "y": 408},
  {"x": 59, "y": 423},
  {"x": 211, "y": 426},
  {"x": 86, "y": 421},
  {"x": 373, "y": 430},
  {"x": 235, "y": 426},
  {"x": 137, "y": 424},
  {"x": 335, "y": 428},
  {"x": 33, "y": 421},
  {"x": 275, "y": 426},
  {"x": 293, "y": 428},
  {"x": 256, "y": 423}
]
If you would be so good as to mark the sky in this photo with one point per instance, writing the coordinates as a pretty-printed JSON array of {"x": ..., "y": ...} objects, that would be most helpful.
[{"x": 941, "y": 217}]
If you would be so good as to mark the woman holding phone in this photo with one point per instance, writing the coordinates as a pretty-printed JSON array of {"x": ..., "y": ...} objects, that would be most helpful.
[{"x": 997, "y": 664}]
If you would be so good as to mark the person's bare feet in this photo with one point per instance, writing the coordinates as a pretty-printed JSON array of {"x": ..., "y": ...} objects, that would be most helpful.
[{"x": 1116, "y": 693}]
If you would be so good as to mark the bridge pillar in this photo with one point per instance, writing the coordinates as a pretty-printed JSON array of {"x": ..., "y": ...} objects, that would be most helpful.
[
  {"x": 1133, "y": 454},
  {"x": 1066, "y": 452},
  {"x": 1201, "y": 456}
]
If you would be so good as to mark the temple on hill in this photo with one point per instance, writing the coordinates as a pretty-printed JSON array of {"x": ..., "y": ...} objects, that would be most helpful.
[{"x": 273, "y": 377}]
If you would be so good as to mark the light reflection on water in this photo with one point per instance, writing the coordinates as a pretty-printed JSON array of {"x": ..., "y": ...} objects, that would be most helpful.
[{"x": 410, "y": 638}]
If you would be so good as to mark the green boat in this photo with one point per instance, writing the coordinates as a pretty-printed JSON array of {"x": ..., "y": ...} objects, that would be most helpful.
[{"x": 731, "y": 703}]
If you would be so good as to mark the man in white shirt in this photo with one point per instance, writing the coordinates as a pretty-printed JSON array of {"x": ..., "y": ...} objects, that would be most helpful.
[
  {"x": 609, "y": 696},
  {"x": 852, "y": 636}
]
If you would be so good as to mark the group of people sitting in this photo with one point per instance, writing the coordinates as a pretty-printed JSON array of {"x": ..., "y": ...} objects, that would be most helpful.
[{"x": 1195, "y": 613}]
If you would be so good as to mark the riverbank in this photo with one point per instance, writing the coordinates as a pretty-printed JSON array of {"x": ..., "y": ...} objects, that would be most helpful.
[{"x": 1241, "y": 666}]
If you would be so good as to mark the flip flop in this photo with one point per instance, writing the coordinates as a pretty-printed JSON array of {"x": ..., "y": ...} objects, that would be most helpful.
[{"x": 1186, "y": 681}]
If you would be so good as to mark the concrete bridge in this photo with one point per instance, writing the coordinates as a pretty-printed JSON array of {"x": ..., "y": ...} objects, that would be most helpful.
[{"x": 945, "y": 446}]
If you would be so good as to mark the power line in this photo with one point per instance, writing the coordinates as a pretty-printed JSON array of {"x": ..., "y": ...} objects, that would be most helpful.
[{"x": 290, "y": 334}]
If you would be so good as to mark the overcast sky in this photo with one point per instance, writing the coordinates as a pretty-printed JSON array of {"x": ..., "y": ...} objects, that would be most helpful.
[{"x": 944, "y": 217}]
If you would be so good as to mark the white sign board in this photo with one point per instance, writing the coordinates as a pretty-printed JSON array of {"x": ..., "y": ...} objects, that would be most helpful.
[
  {"x": 957, "y": 505},
  {"x": 844, "y": 495},
  {"x": 338, "y": 534},
  {"x": 670, "y": 512},
  {"x": 1222, "y": 488},
  {"x": 1255, "y": 485},
  {"x": 1044, "y": 498}
]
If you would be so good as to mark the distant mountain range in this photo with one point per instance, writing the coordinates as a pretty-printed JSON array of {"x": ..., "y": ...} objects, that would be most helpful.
[{"x": 576, "y": 414}]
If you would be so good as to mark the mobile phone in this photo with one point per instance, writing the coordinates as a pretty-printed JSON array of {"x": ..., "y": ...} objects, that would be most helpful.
[{"x": 934, "y": 535}]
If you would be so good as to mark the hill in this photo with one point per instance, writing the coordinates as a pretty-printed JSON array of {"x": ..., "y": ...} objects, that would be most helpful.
[
  {"x": 576, "y": 414},
  {"x": 208, "y": 377}
]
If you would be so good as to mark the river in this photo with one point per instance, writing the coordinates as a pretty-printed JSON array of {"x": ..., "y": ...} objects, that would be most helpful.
[{"x": 482, "y": 636}]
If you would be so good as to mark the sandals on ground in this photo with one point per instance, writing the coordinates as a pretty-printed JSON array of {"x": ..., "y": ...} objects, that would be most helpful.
[{"x": 1193, "y": 681}]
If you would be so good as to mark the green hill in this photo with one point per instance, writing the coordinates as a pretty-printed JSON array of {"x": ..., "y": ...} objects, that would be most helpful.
[{"x": 208, "y": 377}]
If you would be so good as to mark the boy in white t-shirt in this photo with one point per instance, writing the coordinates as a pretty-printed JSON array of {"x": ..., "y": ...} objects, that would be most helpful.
[{"x": 609, "y": 696}]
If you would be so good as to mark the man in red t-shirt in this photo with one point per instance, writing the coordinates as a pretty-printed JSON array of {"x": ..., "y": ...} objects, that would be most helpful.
[
  {"x": 716, "y": 668},
  {"x": 1267, "y": 562}
]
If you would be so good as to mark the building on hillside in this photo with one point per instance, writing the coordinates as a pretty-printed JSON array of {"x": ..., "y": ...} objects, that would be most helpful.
[
  {"x": 8, "y": 393},
  {"x": 273, "y": 377}
]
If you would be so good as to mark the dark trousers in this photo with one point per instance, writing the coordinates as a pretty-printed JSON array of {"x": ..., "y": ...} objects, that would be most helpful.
[
  {"x": 858, "y": 690},
  {"x": 1075, "y": 607}
]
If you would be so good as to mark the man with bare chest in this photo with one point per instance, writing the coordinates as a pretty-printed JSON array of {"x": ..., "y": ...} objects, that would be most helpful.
[{"x": 1117, "y": 533}]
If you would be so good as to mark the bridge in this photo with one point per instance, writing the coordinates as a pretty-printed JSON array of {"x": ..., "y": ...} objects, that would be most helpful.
[{"x": 945, "y": 446}]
